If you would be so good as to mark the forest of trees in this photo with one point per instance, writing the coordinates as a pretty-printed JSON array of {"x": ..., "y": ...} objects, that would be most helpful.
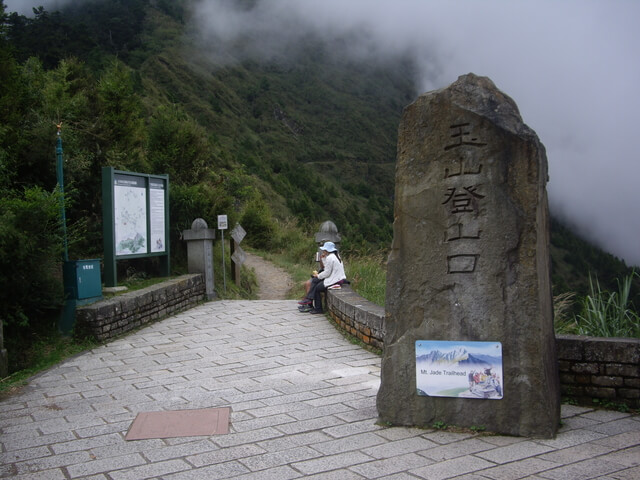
[{"x": 261, "y": 143}]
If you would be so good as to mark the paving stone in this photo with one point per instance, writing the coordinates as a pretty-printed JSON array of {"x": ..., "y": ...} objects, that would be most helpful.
[
  {"x": 345, "y": 430},
  {"x": 331, "y": 462},
  {"x": 584, "y": 470},
  {"x": 303, "y": 405},
  {"x": 54, "y": 474},
  {"x": 517, "y": 451},
  {"x": 444, "y": 438},
  {"x": 153, "y": 470},
  {"x": 451, "y": 468},
  {"x": 86, "y": 443},
  {"x": 517, "y": 470},
  {"x": 464, "y": 447},
  {"x": 106, "y": 465},
  {"x": 399, "y": 447},
  {"x": 388, "y": 466},
  {"x": 280, "y": 458},
  {"x": 571, "y": 438},
  {"x": 353, "y": 442},
  {"x": 629, "y": 457},
  {"x": 615, "y": 427},
  {"x": 399, "y": 433},
  {"x": 278, "y": 473},
  {"x": 308, "y": 425},
  {"x": 628, "y": 474},
  {"x": 257, "y": 423},
  {"x": 212, "y": 472},
  {"x": 51, "y": 462},
  {"x": 622, "y": 440},
  {"x": 24, "y": 454}
]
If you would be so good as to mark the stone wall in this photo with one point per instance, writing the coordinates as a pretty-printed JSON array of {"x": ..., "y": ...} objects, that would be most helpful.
[
  {"x": 109, "y": 318},
  {"x": 356, "y": 315},
  {"x": 607, "y": 369}
]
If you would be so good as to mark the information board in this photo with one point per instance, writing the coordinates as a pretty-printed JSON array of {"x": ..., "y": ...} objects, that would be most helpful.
[
  {"x": 130, "y": 214},
  {"x": 135, "y": 218}
]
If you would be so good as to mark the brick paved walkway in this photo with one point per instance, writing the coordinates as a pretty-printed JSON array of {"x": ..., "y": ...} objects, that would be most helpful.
[{"x": 303, "y": 402}]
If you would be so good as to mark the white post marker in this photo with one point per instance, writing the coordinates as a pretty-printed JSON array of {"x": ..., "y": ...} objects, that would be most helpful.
[{"x": 222, "y": 226}]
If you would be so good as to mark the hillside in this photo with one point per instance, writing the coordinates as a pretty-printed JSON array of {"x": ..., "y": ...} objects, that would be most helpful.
[{"x": 308, "y": 138}]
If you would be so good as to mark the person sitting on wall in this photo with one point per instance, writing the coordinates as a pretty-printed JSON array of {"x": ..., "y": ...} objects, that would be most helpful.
[
  {"x": 333, "y": 274},
  {"x": 309, "y": 283}
]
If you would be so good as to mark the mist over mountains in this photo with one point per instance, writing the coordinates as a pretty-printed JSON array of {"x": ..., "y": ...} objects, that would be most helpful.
[
  {"x": 304, "y": 99},
  {"x": 566, "y": 64}
]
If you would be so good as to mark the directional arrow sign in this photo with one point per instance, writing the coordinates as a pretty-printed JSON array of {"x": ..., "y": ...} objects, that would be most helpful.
[
  {"x": 238, "y": 233},
  {"x": 239, "y": 257}
]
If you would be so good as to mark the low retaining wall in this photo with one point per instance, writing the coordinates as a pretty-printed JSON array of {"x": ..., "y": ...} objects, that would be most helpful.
[
  {"x": 606, "y": 369},
  {"x": 109, "y": 318},
  {"x": 357, "y": 315}
]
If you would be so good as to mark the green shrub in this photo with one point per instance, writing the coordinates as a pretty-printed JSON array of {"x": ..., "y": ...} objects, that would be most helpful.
[
  {"x": 31, "y": 247},
  {"x": 259, "y": 225},
  {"x": 609, "y": 314}
]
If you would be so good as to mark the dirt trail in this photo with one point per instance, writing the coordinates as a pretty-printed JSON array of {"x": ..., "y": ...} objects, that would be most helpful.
[{"x": 273, "y": 282}]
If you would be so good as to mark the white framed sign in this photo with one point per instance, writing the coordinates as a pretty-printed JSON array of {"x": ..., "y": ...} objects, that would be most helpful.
[
  {"x": 222, "y": 222},
  {"x": 459, "y": 369}
]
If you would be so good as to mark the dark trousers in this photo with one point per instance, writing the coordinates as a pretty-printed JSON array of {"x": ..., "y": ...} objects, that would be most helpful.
[
  {"x": 317, "y": 287},
  {"x": 317, "y": 297}
]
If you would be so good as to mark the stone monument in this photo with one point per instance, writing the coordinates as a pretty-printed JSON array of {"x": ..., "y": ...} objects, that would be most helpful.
[
  {"x": 328, "y": 233},
  {"x": 469, "y": 337},
  {"x": 200, "y": 253}
]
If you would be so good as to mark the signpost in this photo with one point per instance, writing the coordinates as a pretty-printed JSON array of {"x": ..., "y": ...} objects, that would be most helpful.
[
  {"x": 222, "y": 226},
  {"x": 238, "y": 257},
  {"x": 81, "y": 278}
]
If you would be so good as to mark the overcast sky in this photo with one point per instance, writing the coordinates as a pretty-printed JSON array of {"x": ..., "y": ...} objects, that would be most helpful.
[{"x": 572, "y": 66}]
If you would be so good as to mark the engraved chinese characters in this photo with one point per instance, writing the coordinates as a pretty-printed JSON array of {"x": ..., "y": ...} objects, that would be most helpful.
[
  {"x": 469, "y": 264},
  {"x": 463, "y": 200}
]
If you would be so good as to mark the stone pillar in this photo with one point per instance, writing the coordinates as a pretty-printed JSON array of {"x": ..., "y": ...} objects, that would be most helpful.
[
  {"x": 328, "y": 233},
  {"x": 200, "y": 253},
  {"x": 469, "y": 269}
]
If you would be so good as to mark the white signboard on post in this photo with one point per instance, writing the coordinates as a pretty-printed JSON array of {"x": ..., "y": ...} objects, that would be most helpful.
[{"x": 222, "y": 222}]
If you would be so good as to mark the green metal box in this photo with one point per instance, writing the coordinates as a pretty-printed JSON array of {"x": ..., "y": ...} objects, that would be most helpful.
[{"x": 82, "y": 279}]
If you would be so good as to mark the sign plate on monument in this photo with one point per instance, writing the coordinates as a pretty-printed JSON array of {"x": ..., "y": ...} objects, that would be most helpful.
[{"x": 459, "y": 369}]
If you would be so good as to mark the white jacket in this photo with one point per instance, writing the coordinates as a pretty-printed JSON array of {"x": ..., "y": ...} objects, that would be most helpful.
[{"x": 333, "y": 270}]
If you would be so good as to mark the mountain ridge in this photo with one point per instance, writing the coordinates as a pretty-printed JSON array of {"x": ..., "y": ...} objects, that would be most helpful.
[{"x": 315, "y": 136}]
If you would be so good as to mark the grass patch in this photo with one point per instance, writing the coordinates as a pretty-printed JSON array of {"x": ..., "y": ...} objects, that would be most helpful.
[
  {"x": 137, "y": 282},
  {"x": 43, "y": 354},
  {"x": 368, "y": 276}
]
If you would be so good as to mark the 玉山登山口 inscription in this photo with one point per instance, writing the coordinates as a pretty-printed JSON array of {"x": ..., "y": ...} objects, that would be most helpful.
[
  {"x": 463, "y": 200},
  {"x": 470, "y": 259}
]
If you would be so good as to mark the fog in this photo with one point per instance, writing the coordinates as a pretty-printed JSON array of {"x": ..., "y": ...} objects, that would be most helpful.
[
  {"x": 571, "y": 66},
  {"x": 25, "y": 7}
]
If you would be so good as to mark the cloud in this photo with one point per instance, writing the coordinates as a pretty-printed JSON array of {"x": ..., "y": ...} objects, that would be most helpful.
[
  {"x": 25, "y": 7},
  {"x": 571, "y": 67}
]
